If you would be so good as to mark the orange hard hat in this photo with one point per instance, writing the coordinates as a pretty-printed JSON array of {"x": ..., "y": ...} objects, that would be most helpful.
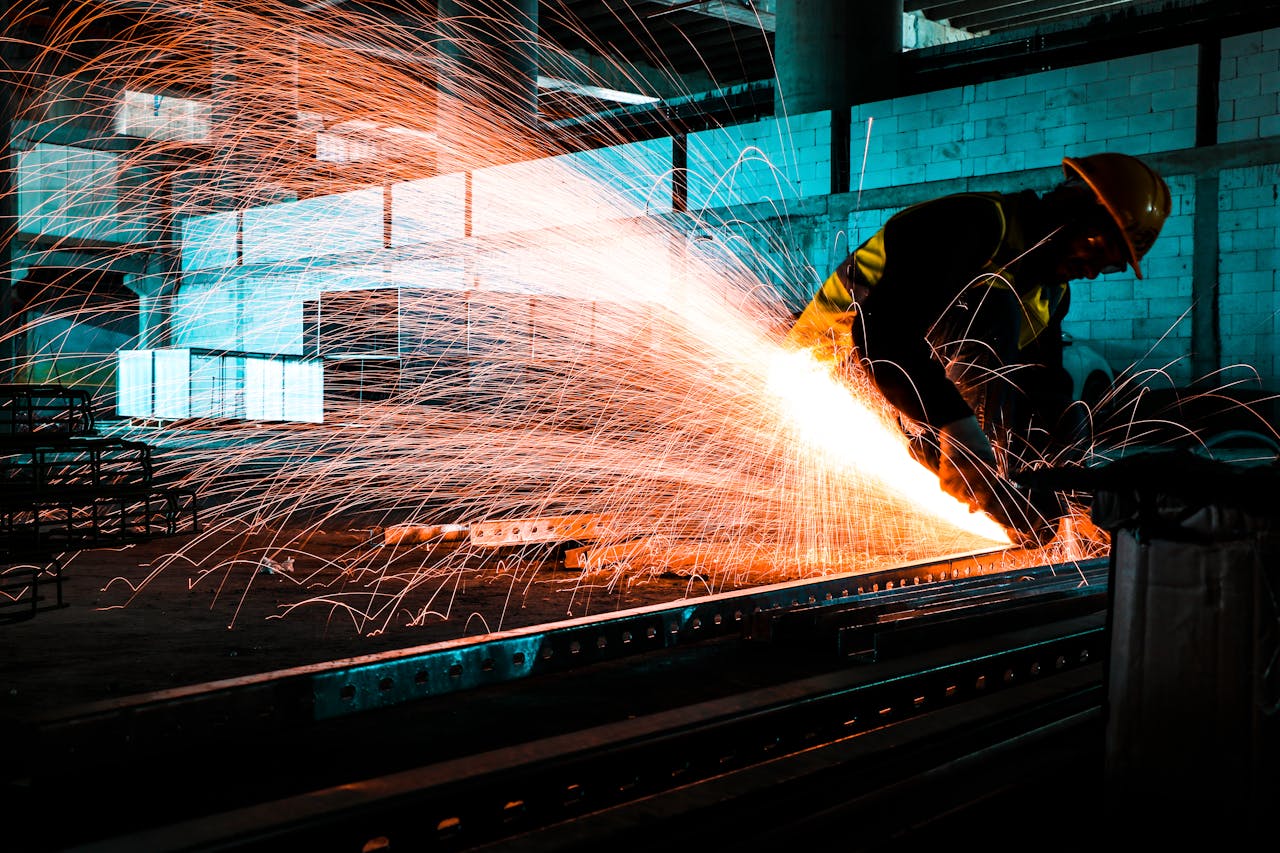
[{"x": 1132, "y": 192}]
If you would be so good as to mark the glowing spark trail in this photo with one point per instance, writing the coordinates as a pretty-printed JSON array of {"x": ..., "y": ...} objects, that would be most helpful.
[{"x": 504, "y": 332}]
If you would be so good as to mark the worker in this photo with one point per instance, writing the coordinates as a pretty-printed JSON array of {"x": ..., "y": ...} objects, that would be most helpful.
[{"x": 954, "y": 309}]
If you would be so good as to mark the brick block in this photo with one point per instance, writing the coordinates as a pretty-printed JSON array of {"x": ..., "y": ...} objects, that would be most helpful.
[
  {"x": 1083, "y": 75},
  {"x": 1259, "y": 63},
  {"x": 1255, "y": 239},
  {"x": 1105, "y": 89},
  {"x": 1154, "y": 81},
  {"x": 989, "y": 109},
  {"x": 916, "y": 120},
  {"x": 1113, "y": 329},
  {"x": 985, "y": 146},
  {"x": 1106, "y": 129},
  {"x": 1030, "y": 103},
  {"x": 940, "y": 170},
  {"x": 1253, "y": 107},
  {"x": 907, "y": 175},
  {"x": 1005, "y": 88},
  {"x": 1184, "y": 121},
  {"x": 1258, "y": 281},
  {"x": 1069, "y": 134},
  {"x": 1064, "y": 98},
  {"x": 940, "y": 135},
  {"x": 944, "y": 98},
  {"x": 1132, "y": 105},
  {"x": 1268, "y": 125},
  {"x": 1151, "y": 122},
  {"x": 1241, "y": 216}
]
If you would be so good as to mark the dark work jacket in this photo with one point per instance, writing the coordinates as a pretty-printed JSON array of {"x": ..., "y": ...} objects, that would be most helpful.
[{"x": 902, "y": 294}]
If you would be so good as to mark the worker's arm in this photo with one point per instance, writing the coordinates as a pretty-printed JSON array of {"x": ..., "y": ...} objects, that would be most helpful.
[
  {"x": 825, "y": 324},
  {"x": 931, "y": 253}
]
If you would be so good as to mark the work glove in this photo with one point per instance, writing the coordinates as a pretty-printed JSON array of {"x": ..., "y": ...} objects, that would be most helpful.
[
  {"x": 967, "y": 463},
  {"x": 967, "y": 472}
]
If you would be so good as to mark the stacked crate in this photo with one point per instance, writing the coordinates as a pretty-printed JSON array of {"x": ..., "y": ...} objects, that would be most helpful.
[{"x": 64, "y": 488}]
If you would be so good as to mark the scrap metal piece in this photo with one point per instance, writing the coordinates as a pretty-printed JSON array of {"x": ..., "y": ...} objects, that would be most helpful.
[
  {"x": 552, "y": 528},
  {"x": 412, "y": 534}
]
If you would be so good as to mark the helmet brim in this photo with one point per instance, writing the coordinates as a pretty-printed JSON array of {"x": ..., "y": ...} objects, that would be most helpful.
[{"x": 1072, "y": 169}]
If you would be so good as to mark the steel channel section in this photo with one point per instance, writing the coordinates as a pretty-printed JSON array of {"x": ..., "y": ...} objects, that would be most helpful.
[
  {"x": 247, "y": 710},
  {"x": 397, "y": 677},
  {"x": 484, "y": 798},
  {"x": 297, "y": 696}
]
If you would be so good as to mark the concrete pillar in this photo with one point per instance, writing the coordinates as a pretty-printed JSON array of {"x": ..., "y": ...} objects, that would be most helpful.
[{"x": 832, "y": 53}]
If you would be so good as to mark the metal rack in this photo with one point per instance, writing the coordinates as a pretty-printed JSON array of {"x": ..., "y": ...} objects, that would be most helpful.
[{"x": 64, "y": 488}]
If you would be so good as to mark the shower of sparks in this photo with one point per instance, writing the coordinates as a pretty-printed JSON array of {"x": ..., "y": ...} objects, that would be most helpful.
[{"x": 572, "y": 354}]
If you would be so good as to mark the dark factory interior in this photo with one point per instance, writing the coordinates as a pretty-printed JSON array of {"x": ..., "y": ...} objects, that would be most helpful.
[{"x": 462, "y": 425}]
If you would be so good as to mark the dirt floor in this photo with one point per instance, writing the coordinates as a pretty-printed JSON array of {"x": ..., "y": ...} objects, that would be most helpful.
[{"x": 197, "y": 619}]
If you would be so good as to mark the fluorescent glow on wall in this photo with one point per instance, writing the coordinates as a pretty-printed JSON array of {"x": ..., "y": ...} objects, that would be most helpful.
[
  {"x": 171, "y": 388},
  {"x": 133, "y": 375},
  {"x": 210, "y": 241},
  {"x": 345, "y": 222},
  {"x": 162, "y": 117},
  {"x": 429, "y": 209}
]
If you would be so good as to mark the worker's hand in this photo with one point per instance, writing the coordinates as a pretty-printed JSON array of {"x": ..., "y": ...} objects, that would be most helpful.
[
  {"x": 967, "y": 466},
  {"x": 967, "y": 472}
]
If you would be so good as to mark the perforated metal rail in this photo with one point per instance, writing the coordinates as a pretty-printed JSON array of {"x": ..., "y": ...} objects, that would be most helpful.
[{"x": 968, "y": 658}]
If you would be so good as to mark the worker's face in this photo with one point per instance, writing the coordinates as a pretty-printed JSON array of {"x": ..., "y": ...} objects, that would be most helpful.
[{"x": 1091, "y": 249}]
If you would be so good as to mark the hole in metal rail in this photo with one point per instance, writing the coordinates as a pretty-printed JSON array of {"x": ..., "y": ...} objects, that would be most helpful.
[
  {"x": 455, "y": 671},
  {"x": 348, "y": 692},
  {"x": 386, "y": 684}
]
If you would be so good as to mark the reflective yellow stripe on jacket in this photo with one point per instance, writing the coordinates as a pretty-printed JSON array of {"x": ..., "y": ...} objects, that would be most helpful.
[{"x": 825, "y": 325}]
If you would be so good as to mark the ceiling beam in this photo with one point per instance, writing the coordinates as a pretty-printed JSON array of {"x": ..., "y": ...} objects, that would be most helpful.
[{"x": 758, "y": 14}]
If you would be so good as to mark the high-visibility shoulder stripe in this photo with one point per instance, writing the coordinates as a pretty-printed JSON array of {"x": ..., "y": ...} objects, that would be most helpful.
[{"x": 825, "y": 325}]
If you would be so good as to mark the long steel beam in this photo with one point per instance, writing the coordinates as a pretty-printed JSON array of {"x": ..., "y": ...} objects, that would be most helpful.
[{"x": 966, "y": 689}]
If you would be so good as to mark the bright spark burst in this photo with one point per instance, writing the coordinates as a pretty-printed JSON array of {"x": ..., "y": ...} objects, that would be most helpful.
[{"x": 577, "y": 354}]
